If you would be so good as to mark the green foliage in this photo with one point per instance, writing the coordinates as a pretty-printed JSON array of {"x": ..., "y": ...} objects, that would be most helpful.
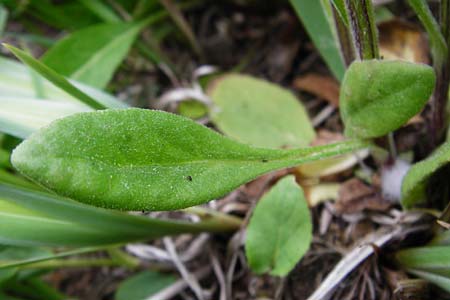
[
  {"x": 378, "y": 97},
  {"x": 192, "y": 109},
  {"x": 317, "y": 21},
  {"x": 31, "y": 218},
  {"x": 143, "y": 285},
  {"x": 55, "y": 78},
  {"x": 259, "y": 113},
  {"x": 415, "y": 181},
  {"x": 439, "y": 47},
  {"x": 431, "y": 263},
  {"x": 92, "y": 55},
  {"x": 280, "y": 229},
  {"x": 141, "y": 159},
  {"x": 3, "y": 18},
  {"x": 16, "y": 80}
]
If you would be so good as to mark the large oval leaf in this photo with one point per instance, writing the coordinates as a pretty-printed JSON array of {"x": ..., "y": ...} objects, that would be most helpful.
[
  {"x": 91, "y": 55},
  {"x": 280, "y": 230},
  {"x": 378, "y": 97},
  {"x": 415, "y": 181},
  {"x": 259, "y": 113},
  {"x": 141, "y": 159}
]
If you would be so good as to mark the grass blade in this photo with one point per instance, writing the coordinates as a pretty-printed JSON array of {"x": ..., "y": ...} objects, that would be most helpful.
[{"x": 55, "y": 78}]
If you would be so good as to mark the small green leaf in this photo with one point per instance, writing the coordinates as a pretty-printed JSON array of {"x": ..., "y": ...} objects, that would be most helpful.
[
  {"x": 259, "y": 113},
  {"x": 91, "y": 55},
  {"x": 136, "y": 159},
  {"x": 280, "y": 229},
  {"x": 415, "y": 181},
  {"x": 378, "y": 97},
  {"x": 143, "y": 285},
  {"x": 192, "y": 109},
  {"x": 55, "y": 78}
]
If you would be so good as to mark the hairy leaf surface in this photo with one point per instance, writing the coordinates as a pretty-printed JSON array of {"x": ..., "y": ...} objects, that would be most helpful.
[
  {"x": 280, "y": 229},
  {"x": 378, "y": 97},
  {"x": 138, "y": 159}
]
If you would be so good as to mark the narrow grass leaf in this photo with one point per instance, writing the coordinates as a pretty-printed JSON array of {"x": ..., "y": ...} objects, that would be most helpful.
[
  {"x": 31, "y": 218},
  {"x": 378, "y": 97},
  {"x": 315, "y": 19},
  {"x": 103, "y": 11},
  {"x": 415, "y": 182},
  {"x": 440, "y": 280},
  {"x": 259, "y": 113},
  {"x": 55, "y": 78},
  {"x": 136, "y": 159},
  {"x": 15, "y": 80},
  {"x": 280, "y": 229},
  {"x": 3, "y": 18},
  {"x": 425, "y": 258},
  {"x": 20, "y": 116},
  {"x": 438, "y": 45}
]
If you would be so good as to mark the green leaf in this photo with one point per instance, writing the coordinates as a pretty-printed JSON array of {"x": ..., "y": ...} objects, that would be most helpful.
[
  {"x": 442, "y": 281},
  {"x": 16, "y": 80},
  {"x": 429, "y": 263},
  {"x": 3, "y": 19},
  {"x": 143, "y": 285},
  {"x": 259, "y": 113},
  {"x": 280, "y": 229},
  {"x": 315, "y": 18},
  {"x": 192, "y": 109},
  {"x": 100, "y": 9},
  {"x": 92, "y": 55},
  {"x": 378, "y": 97},
  {"x": 415, "y": 181},
  {"x": 341, "y": 10},
  {"x": 21, "y": 117},
  {"x": 69, "y": 15},
  {"x": 137, "y": 159},
  {"x": 425, "y": 258},
  {"x": 438, "y": 45},
  {"x": 55, "y": 78},
  {"x": 12, "y": 253},
  {"x": 31, "y": 218}
]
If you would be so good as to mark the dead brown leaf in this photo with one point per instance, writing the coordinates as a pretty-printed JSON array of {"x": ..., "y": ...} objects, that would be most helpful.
[
  {"x": 355, "y": 196},
  {"x": 404, "y": 41},
  {"x": 324, "y": 87}
]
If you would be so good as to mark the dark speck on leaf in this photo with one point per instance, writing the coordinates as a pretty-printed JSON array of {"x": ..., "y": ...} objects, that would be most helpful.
[
  {"x": 264, "y": 160},
  {"x": 189, "y": 178}
]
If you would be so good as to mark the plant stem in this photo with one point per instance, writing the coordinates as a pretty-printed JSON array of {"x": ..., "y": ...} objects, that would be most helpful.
[
  {"x": 74, "y": 263},
  {"x": 123, "y": 258},
  {"x": 220, "y": 217},
  {"x": 364, "y": 31},
  {"x": 345, "y": 38},
  {"x": 440, "y": 96}
]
